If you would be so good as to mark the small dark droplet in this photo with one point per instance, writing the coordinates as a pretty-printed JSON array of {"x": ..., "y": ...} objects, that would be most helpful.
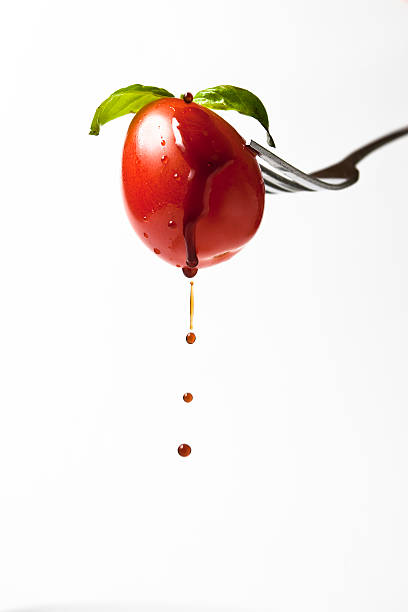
[
  {"x": 184, "y": 450},
  {"x": 190, "y": 338},
  {"x": 144, "y": 218},
  {"x": 162, "y": 142},
  {"x": 187, "y": 397},
  {"x": 157, "y": 251},
  {"x": 145, "y": 235},
  {"x": 188, "y": 97},
  {"x": 172, "y": 224},
  {"x": 190, "y": 272}
]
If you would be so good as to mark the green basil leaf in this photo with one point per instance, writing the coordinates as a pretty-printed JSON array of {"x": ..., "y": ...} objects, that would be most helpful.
[
  {"x": 228, "y": 97},
  {"x": 123, "y": 101}
]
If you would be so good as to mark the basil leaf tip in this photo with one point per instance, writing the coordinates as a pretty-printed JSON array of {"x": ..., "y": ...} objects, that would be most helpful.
[
  {"x": 229, "y": 97},
  {"x": 123, "y": 101}
]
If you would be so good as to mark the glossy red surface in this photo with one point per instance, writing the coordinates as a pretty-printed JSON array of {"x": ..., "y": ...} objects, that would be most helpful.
[{"x": 187, "y": 172}]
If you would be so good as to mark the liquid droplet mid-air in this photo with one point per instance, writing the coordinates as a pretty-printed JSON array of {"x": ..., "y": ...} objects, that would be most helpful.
[
  {"x": 184, "y": 450},
  {"x": 157, "y": 251}
]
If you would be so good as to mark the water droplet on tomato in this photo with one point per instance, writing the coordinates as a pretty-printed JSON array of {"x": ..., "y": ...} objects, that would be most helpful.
[
  {"x": 178, "y": 266},
  {"x": 157, "y": 251},
  {"x": 172, "y": 224},
  {"x": 176, "y": 176},
  {"x": 190, "y": 338},
  {"x": 187, "y": 397},
  {"x": 184, "y": 450},
  {"x": 164, "y": 159},
  {"x": 162, "y": 142},
  {"x": 144, "y": 218},
  {"x": 145, "y": 235}
]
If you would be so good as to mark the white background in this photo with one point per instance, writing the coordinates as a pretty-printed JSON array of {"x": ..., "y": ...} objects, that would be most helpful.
[{"x": 295, "y": 495}]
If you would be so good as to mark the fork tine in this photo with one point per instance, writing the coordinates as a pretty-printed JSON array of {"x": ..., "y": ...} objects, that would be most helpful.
[
  {"x": 280, "y": 181},
  {"x": 297, "y": 179},
  {"x": 271, "y": 187},
  {"x": 287, "y": 178}
]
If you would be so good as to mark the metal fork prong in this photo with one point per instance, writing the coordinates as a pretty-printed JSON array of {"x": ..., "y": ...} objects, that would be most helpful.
[
  {"x": 285, "y": 177},
  {"x": 281, "y": 181},
  {"x": 271, "y": 190},
  {"x": 301, "y": 179},
  {"x": 271, "y": 187}
]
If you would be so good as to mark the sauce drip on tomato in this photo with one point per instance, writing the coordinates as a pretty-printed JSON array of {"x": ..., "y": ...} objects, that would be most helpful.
[{"x": 203, "y": 161}]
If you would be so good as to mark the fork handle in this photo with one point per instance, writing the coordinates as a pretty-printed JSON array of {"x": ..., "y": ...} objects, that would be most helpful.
[{"x": 346, "y": 168}]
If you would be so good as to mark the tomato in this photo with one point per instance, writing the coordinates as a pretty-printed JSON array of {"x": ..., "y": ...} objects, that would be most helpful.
[{"x": 194, "y": 191}]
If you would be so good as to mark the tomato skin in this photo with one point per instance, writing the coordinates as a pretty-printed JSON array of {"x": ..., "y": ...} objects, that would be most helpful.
[{"x": 182, "y": 163}]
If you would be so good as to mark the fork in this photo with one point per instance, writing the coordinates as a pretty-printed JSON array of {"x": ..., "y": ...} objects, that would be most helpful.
[{"x": 282, "y": 177}]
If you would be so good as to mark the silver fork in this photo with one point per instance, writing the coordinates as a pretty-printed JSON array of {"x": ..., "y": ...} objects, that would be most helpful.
[{"x": 281, "y": 177}]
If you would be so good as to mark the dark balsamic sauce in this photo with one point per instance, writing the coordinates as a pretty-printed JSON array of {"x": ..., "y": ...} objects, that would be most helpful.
[
  {"x": 203, "y": 161},
  {"x": 189, "y": 272},
  {"x": 188, "y": 97},
  {"x": 189, "y": 237},
  {"x": 184, "y": 450}
]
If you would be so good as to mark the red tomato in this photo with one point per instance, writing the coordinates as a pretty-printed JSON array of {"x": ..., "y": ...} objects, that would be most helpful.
[{"x": 188, "y": 177}]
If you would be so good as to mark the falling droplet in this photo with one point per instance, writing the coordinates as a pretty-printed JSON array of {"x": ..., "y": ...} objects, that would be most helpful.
[
  {"x": 172, "y": 224},
  {"x": 190, "y": 338},
  {"x": 164, "y": 159},
  {"x": 145, "y": 235},
  {"x": 178, "y": 266},
  {"x": 157, "y": 251},
  {"x": 184, "y": 450},
  {"x": 187, "y": 397},
  {"x": 162, "y": 142}
]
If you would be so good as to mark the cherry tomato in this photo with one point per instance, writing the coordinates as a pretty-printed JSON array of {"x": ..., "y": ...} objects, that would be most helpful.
[{"x": 188, "y": 176}]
